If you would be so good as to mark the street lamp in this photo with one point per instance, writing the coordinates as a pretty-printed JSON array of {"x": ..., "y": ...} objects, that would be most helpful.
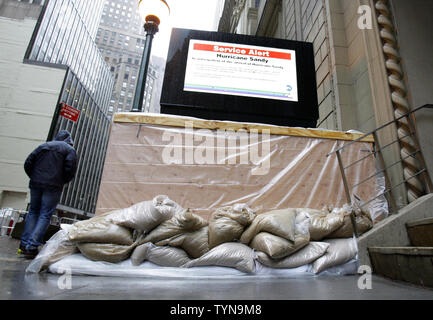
[{"x": 152, "y": 12}]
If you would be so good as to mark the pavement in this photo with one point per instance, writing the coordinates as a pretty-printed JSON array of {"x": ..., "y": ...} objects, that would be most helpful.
[{"x": 16, "y": 284}]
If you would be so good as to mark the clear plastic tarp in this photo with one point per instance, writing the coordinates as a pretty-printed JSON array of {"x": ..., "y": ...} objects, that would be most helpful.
[
  {"x": 206, "y": 169},
  {"x": 78, "y": 265}
]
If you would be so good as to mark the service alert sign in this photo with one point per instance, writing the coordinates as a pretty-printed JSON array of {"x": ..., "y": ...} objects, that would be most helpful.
[{"x": 242, "y": 70}]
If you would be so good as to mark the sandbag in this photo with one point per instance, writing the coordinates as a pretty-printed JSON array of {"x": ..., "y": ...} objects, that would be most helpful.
[
  {"x": 278, "y": 222},
  {"x": 194, "y": 243},
  {"x": 66, "y": 248},
  {"x": 100, "y": 229},
  {"x": 323, "y": 224},
  {"x": 277, "y": 247},
  {"x": 146, "y": 215},
  {"x": 307, "y": 255},
  {"x": 162, "y": 256},
  {"x": 182, "y": 222},
  {"x": 339, "y": 252},
  {"x": 230, "y": 254},
  {"x": 108, "y": 252},
  {"x": 228, "y": 223},
  {"x": 363, "y": 223}
]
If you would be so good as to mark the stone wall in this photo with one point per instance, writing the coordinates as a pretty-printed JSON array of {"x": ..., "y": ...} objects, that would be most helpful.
[{"x": 28, "y": 96}]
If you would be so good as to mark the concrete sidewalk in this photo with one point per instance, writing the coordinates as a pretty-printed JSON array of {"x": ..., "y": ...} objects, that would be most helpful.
[{"x": 17, "y": 285}]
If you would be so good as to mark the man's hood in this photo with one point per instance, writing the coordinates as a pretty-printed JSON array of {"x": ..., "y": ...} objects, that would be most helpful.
[{"x": 65, "y": 136}]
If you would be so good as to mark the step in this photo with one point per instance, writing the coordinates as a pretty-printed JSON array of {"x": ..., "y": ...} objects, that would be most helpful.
[
  {"x": 410, "y": 264},
  {"x": 420, "y": 232}
]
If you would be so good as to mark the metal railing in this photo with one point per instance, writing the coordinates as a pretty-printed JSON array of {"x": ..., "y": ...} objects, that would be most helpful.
[
  {"x": 383, "y": 167},
  {"x": 9, "y": 217}
]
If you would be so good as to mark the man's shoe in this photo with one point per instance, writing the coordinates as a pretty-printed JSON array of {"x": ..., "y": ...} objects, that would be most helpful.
[
  {"x": 30, "y": 253},
  {"x": 21, "y": 249}
]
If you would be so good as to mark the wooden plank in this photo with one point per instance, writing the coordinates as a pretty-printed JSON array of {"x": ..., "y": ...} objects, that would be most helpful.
[{"x": 177, "y": 121}]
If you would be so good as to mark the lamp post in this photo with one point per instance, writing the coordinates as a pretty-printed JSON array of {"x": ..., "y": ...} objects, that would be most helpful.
[{"x": 152, "y": 12}]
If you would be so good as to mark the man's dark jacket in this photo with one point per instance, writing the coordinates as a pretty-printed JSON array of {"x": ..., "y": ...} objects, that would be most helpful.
[{"x": 53, "y": 163}]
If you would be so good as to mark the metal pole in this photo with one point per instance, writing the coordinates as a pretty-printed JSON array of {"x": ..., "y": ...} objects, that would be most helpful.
[
  {"x": 347, "y": 191},
  {"x": 151, "y": 28},
  {"x": 390, "y": 196}
]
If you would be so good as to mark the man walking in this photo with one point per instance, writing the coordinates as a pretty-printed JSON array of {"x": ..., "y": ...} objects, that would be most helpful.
[{"x": 49, "y": 167}]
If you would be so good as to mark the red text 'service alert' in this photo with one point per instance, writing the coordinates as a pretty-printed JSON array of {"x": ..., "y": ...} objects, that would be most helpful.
[{"x": 242, "y": 51}]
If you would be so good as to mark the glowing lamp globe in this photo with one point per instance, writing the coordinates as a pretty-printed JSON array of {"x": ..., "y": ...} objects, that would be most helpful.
[{"x": 153, "y": 11}]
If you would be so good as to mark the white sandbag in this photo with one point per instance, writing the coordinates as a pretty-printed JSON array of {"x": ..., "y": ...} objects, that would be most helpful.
[
  {"x": 277, "y": 247},
  {"x": 182, "y": 222},
  {"x": 162, "y": 256},
  {"x": 55, "y": 249},
  {"x": 339, "y": 252},
  {"x": 230, "y": 254},
  {"x": 278, "y": 222},
  {"x": 100, "y": 229},
  {"x": 228, "y": 223},
  {"x": 306, "y": 255},
  {"x": 194, "y": 243},
  {"x": 108, "y": 252},
  {"x": 146, "y": 215}
]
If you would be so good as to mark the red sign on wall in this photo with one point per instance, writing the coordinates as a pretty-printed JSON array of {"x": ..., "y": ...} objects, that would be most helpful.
[{"x": 69, "y": 112}]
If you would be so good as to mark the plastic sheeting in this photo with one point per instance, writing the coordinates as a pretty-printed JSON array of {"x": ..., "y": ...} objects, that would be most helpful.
[
  {"x": 77, "y": 264},
  {"x": 56, "y": 248},
  {"x": 207, "y": 169}
]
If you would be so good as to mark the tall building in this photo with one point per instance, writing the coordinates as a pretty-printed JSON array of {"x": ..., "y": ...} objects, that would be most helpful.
[
  {"x": 121, "y": 39},
  {"x": 373, "y": 64},
  {"x": 49, "y": 57}
]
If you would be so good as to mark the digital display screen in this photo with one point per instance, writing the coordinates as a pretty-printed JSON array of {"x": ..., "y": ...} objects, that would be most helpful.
[{"x": 241, "y": 70}]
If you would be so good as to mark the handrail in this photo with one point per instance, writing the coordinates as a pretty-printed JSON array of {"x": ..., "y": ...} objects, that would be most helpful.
[
  {"x": 377, "y": 152},
  {"x": 430, "y": 106}
]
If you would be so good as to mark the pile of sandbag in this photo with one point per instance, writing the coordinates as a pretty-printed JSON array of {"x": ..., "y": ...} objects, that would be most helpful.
[
  {"x": 113, "y": 236},
  {"x": 162, "y": 232},
  {"x": 301, "y": 236}
]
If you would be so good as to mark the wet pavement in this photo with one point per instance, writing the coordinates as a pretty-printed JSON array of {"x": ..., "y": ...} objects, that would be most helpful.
[{"x": 16, "y": 284}]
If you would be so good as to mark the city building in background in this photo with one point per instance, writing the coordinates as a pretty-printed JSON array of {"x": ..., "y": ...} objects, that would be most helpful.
[
  {"x": 370, "y": 66},
  {"x": 49, "y": 57},
  {"x": 121, "y": 39}
]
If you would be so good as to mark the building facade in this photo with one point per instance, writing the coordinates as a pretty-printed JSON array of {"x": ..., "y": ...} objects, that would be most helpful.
[
  {"x": 60, "y": 50},
  {"x": 372, "y": 65},
  {"x": 121, "y": 39}
]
